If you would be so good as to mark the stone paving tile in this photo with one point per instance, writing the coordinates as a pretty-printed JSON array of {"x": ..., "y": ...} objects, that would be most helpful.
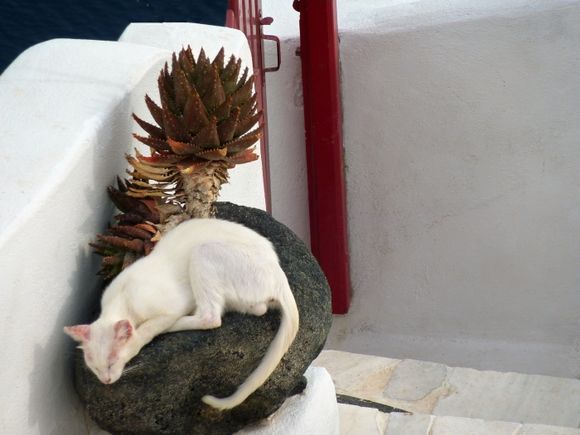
[
  {"x": 357, "y": 420},
  {"x": 366, "y": 421},
  {"x": 417, "y": 386},
  {"x": 540, "y": 429},
  {"x": 357, "y": 375},
  {"x": 512, "y": 397},
  {"x": 408, "y": 424},
  {"x": 446, "y": 425}
]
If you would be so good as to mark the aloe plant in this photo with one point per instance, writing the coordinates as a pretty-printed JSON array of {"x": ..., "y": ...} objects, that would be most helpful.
[{"x": 204, "y": 127}]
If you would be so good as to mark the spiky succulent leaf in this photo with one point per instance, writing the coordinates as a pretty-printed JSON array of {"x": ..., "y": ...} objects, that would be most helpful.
[
  {"x": 246, "y": 124},
  {"x": 194, "y": 113},
  {"x": 155, "y": 110},
  {"x": 229, "y": 126}
]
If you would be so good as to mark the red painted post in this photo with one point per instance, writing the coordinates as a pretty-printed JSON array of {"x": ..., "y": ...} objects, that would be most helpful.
[{"x": 323, "y": 125}]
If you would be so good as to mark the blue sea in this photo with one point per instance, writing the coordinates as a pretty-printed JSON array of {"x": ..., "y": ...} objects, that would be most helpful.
[{"x": 24, "y": 23}]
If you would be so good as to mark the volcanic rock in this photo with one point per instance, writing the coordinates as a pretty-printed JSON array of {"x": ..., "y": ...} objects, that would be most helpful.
[{"x": 161, "y": 391}]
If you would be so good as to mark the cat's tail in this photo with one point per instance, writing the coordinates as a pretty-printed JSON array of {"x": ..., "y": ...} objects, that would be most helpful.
[{"x": 282, "y": 341}]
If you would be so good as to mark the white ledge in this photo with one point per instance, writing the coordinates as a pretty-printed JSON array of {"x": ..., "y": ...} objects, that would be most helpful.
[{"x": 66, "y": 127}]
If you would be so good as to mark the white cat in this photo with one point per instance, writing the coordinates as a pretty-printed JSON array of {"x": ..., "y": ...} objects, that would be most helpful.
[{"x": 197, "y": 271}]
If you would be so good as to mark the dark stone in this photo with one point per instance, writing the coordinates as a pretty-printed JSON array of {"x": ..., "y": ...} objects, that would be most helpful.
[{"x": 161, "y": 394}]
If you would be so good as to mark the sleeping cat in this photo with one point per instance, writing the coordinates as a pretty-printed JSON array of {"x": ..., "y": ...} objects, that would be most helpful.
[{"x": 197, "y": 271}]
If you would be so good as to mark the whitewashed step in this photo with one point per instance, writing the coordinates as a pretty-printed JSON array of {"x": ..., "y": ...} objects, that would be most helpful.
[
  {"x": 355, "y": 420},
  {"x": 435, "y": 389}
]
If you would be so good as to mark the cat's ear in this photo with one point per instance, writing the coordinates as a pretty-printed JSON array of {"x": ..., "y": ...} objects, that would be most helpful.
[
  {"x": 123, "y": 331},
  {"x": 80, "y": 333}
]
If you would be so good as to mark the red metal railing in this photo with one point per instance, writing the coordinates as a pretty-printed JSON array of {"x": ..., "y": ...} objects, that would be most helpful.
[
  {"x": 323, "y": 125},
  {"x": 246, "y": 15}
]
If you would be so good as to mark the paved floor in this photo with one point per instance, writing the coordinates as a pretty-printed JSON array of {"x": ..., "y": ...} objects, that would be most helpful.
[{"x": 448, "y": 400}]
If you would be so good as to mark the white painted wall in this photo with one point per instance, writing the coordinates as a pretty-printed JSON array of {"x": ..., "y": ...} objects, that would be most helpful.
[
  {"x": 461, "y": 136},
  {"x": 287, "y": 149},
  {"x": 66, "y": 126}
]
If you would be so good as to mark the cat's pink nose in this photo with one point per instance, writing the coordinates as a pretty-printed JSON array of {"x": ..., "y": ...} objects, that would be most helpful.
[{"x": 108, "y": 380}]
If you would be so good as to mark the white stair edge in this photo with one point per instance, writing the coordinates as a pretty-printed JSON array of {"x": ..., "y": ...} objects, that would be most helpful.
[
  {"x": 356, "y": 420},
  {"x": 431, "y": 388}
]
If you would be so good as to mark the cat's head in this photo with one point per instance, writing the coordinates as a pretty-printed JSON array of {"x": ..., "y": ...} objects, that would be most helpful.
[{"x": 105, "y": 347}]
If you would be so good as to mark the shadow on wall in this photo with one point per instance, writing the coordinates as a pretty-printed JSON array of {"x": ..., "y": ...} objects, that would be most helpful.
[
  {"x": 462, "y": 190},
  {"x": 53, "y": 401},
  {"x": 58, "y": 355}
]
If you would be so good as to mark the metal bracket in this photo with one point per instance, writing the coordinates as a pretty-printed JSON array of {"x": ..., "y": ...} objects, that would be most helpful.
[{"x": 266, "y": 21}]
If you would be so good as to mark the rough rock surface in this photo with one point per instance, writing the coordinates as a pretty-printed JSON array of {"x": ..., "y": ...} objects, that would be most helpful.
[{"x": 161, "y": 394}]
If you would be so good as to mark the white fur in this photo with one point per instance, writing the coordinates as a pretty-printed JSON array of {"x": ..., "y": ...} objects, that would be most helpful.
[{"x": 197, "y": 271}]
